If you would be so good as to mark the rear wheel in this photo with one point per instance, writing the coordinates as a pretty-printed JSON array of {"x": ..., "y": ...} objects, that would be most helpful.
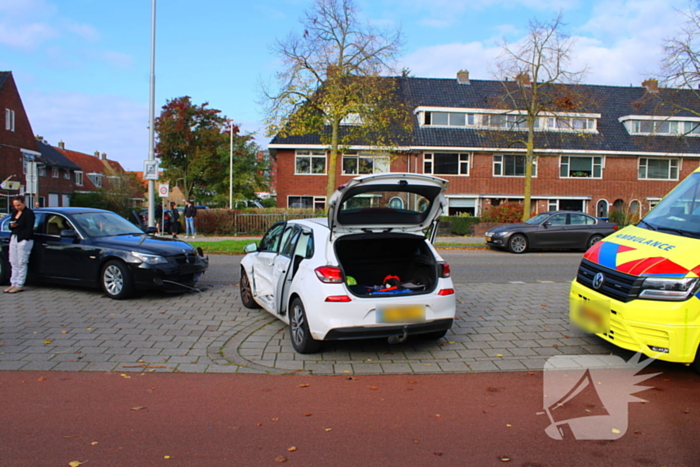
[
  {"x": 247, "y": 292},
  {"x": 696, "y": 363},
  {"x": 299, "y": 329},
  {"x": 116, "y": 280},
  {"x": 593, "y": 240},
  {"x": 518, "y": 244}
]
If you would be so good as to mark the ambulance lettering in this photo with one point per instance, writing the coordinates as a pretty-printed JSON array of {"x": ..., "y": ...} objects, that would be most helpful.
[{"x": 645, "y": 241}]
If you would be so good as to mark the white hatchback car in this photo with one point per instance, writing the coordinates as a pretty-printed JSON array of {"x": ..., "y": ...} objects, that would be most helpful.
[{"x": 367, "y": 271}]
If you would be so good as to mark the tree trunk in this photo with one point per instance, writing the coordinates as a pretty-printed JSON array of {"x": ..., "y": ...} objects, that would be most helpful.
[{"x": 332, "y": 168}]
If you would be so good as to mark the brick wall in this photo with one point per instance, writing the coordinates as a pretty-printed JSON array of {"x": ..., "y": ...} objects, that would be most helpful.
[{"x": 619, "y": 180}]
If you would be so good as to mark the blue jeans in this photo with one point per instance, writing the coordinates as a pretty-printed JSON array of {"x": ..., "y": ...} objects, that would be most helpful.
[{"x": 189, "y": 227}]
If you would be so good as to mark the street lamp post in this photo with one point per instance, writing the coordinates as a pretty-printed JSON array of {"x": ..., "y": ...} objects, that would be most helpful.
[
  {"x": 230, "y": 173},
  {"x": 151, "y": 115}
]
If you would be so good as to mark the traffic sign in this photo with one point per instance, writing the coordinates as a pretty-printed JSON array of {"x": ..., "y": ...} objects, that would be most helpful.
[{"x": 164, "y": 190}]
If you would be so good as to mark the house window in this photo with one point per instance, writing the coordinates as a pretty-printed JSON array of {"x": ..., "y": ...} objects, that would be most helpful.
[
  {"x": 577, "y": 167},
  {"x": 54, "y": 172},
  {"x": 66, "y": 174},
  {"x": 658, "y": 169},
  {"x": 446, "y": 163},
  {"x": 307, "y": 202},
  {"x": 42, "y": 171},
  {"x": 9, "y": 120},
  {"x": 364, "y": 163},
  {"x": 510, "y": 122},
  {"x": 96, "y": 179},
  {"x": 79, "y": 178},
  {"x": 310, "y": 162},
  {"x": 448, "y": 119},
  {"x": 508, "y": 165}
]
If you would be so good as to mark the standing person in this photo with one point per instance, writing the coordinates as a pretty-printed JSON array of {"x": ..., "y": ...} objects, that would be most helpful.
[
  {"x": 159, "y": 217},
  {"x": 174, "y": 220},
  {"x": 21, "y": 243},
  {"x": 190, "y": 216}
]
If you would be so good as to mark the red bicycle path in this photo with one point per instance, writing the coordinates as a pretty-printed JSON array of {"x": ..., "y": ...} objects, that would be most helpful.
[{"x": 179, "y": 419}]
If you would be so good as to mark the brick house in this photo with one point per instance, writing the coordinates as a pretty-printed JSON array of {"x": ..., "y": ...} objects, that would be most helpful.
[
  {"x": 626, "y": 150},
  {"x": 24, "y": 158}
]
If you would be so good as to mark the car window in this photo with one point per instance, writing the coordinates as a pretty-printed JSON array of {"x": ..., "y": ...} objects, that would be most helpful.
[
  {"x": 271, "y": 239},
  {"x": 580, "y": 219},
  {"x": 558, "y": 219},
  {"x": 55, "y": 223},
  {"x": 289, "y": 240},
  {"x": 104, "y": 224},
  {"x": 305, "y": 245}
]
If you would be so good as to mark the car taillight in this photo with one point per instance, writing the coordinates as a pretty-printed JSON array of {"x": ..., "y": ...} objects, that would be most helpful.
[
  {"x": 446, "y": 292},
  {"x": 616, "y": 227},
  {"x": 338, "y": 298},
  {"x": 444, "y": 270},
  {"x": 329, "y": 274}
]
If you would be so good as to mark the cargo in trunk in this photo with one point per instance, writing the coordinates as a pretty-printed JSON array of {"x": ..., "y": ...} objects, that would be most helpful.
[{"x": 387, "y": 264}]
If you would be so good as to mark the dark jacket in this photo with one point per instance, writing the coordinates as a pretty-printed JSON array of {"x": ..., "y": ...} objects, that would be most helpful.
[
  {"x": 24, "y": 230},
  {"x": 190, "y": 211}
]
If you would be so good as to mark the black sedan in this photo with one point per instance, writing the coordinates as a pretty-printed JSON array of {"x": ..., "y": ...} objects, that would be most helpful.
[
  {"x": 551, "y": 230},
  {"x": 92, "y": 247}
]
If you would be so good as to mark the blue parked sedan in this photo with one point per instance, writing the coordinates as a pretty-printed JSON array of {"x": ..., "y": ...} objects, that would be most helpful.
[{"x": 97, "y": 248}]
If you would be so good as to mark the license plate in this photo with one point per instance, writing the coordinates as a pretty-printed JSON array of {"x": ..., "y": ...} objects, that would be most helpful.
[
  {"x": 401, "y": 314},
  {"x": 593, "y": 316}
]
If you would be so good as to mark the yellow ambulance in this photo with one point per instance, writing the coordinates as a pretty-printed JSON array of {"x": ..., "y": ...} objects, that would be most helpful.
[{"x": 639, "y": 288}]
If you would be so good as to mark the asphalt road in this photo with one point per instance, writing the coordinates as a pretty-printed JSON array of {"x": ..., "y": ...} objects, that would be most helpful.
[{"x": 468, "y": 266}]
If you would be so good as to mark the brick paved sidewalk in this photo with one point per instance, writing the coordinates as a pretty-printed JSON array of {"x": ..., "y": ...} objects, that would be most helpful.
[{"x": 498, "y": 327}]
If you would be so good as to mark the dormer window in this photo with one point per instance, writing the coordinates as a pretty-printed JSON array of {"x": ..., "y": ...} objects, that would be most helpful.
[
  {"x": 448, "y": 119},
  {"x": 96, "y": 179},
  {"x": 656, "y": 126}
]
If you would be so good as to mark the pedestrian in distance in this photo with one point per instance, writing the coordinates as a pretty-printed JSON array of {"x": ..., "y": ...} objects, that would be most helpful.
[
  {"x": 21, "y": 243},
  {"x": 174, "y": 220},
  {"x": 190, "y": 216},
  {"x": 159, "y": 218}
]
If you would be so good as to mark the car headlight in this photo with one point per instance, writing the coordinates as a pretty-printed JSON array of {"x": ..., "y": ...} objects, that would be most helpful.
[
  {"x": 657, "y": 288},
  {"x": 149, "y": 259},
  {"x": 495, "y": 234}
]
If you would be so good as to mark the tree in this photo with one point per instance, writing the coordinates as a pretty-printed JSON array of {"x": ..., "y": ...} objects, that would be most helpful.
[
  {"x": 681, "y": 62},
  {"x": 535, "y": 80},
  {"x": 332, "y": 84},
  {"x": 189, "y": 137}
]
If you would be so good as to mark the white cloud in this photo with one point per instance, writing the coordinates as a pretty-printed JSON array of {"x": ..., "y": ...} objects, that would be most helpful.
[
  {"x": 26, "y": 36},
  {"x": 114, "y": 125},
  {"x": 444, "y": 61}
]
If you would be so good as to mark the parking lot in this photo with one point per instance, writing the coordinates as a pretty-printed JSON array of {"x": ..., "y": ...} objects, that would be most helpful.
[{"x": 499, "y": 327}]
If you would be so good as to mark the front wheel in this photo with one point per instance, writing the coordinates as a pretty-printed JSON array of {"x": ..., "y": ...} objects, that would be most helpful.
[
  {"x": 116, "y": 280},
  {"x": 696, "y": 363},
  {"x": 247, "y": 292},
  {"x": 517, "y": 244},
  {"x": 299, "y": 329},
  {"x": 593, "y": 240}
]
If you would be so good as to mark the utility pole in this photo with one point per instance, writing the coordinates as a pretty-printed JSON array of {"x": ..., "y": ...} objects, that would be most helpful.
[{"x": 151, "y": 118}]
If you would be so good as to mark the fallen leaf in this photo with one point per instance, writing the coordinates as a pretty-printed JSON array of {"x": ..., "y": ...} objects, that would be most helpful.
[
  {"x": 504, "y": 459},
  {"x": 373, "y": 388},
  {"x": 75, "y": 463},
  {"x": 43, "y": 378},
  {"x": 292, "y": 449},
  {"x": 47, "y": 342},
  {"x": 280, "y": 459},
  {"x": 89, "y": 329},
  {"x": 530, "y": 372},
  {"x": 125, "y": 376},
  {"x": 139, "y": 408},
  {"x": 509, "y": 425},
  {"x": 416, "y": 441},
  {"x": 303, "y": 385},
  {"x": 328, "y": 429},
  {"x": 307, "y": 415},
  {"x": 166, "y": 457},
  {"x": 64, "y": 332},
  {"x": 438, "y": 453},
  {"x": 94, "y": 443},
  {"x": 687, "y": 411},
  {"x": 275, "y": 419},
  {"x": 615, "y": 430},
  {"x": 438, "y": 415},
  {"x": 555, "y": 345},
  {"x": 499, "y": 355}
]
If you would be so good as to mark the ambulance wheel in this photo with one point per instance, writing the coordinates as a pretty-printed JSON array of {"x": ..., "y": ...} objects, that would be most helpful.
[
  {"x": 696, "y": 363},
  {"x": 593, "y": 240},
  {"x": 517, "y": 244}
]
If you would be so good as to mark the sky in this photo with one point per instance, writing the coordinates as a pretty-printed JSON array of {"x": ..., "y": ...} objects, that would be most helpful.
[{"x": 83, "y": 67}]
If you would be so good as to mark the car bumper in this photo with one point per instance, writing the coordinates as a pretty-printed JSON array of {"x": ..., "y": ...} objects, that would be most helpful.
[
  {"x": 497, "y": 242},
  {"x": 169, "y": 277},
  {"x": 360, "y": 332},
  {"x": 642, "y": 325}
]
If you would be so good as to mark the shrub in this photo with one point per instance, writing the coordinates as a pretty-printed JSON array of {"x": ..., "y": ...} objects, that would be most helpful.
[
  {"x": 510, "y": 212},
  {"x": 461, "y": 225}
]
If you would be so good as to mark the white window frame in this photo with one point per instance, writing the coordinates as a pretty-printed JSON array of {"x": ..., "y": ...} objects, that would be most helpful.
[
  {"x": 643, "y": 163},
  {"x": 463, "y": 163},
  {"x": 96, "y": 179},
  {"x": 9, "y": 119},
  {"x": 41, "y": 170},
  {"x": 378, "y": 161},
  {"x": 677, "y": 126},
  {"x": 54, "y": 172},
  {"x": 66, "y": 174},
  {"x": 565, "y": 161},
  {"x": 498, "y": 162},
  {"x": 310, "y": 155},
  {"x": 317, "y": 202},
  {"x": 79, "y": 177}
]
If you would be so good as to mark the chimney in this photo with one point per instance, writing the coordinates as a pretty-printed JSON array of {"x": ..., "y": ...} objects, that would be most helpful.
[
  {"x": 651, "y": 85},
  {"x": 104, "y": 156},
  {"x": 97, "y": 154},
  {"x": 463, "y": 76},
  {"x": 62, "y": 145},
  {"x": 523, "y": 79}
]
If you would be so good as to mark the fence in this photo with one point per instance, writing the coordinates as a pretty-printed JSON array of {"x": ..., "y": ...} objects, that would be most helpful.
[{"x": 229, "y": 222}]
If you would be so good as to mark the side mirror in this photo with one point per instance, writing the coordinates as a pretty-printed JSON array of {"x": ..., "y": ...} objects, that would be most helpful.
[
  {"x": 250, "y": 248},
  {"x": 69, "y": 233},
  {"x": 547, "y": 225}
]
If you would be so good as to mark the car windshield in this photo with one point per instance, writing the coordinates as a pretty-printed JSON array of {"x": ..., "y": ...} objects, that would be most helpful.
[
  {"x": 105, "y": 224},
  {"x": 538, "y": 219},
  {"x": 384, "y": 204},
  {"x": 679, "y": 212}
]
